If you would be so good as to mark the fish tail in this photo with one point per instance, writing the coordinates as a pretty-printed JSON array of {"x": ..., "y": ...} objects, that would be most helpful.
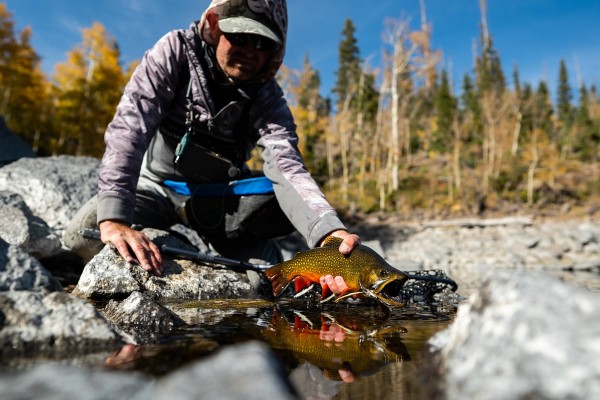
[{"x": 278, "y": 281}]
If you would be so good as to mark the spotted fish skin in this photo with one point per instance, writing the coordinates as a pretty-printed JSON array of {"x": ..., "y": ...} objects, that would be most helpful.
[{"x": 364, "y": 271}]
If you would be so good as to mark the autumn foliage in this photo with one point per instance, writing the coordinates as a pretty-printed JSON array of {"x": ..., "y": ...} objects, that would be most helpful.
[{"x": 396, "y": 138}]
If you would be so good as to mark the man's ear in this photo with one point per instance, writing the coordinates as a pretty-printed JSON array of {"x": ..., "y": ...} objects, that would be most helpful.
[{"x": 213, "y": 21}]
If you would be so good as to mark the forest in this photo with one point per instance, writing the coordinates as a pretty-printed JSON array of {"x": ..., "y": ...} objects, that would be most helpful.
[{"x": 395, "y": 139}]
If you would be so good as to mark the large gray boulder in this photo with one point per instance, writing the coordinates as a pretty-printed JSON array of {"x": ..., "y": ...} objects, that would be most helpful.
[
  {"x": 53, "y": 381},
  {"x": 141, "y": 320},
  {"x": 21, "y": 272},
  {"x": 240, "y": 372},
  {"x": 109, "y": 276},
  {"x": 54, "y": 188},
  {"x": 54, "y": 325},
  {"x": 13, "y": 147},
  {"x": 523, "y": 335},
  {"x": 18, "y": 226}
]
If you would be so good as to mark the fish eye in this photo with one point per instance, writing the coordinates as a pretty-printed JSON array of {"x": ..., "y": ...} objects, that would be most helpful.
[{"x": 384, "y": 272}]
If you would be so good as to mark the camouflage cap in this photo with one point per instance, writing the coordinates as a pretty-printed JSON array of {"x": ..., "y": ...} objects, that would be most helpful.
[{"x": 267, "y": 18}]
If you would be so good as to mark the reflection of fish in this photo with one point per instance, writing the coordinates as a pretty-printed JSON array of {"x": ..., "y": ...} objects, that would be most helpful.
[
  {"x": 357, "y": 353},
  {"x": 365, "y": 272}
]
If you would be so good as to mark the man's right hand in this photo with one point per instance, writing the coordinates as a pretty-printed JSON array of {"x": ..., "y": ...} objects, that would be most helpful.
[{"x": 127, "y": 241}]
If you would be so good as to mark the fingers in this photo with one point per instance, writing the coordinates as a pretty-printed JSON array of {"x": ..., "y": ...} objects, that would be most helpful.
[
  {"x": 349, "y": 243},
  {"x": 350, "y": 240},
  {"x": 332, "y": 333},
  {"x": 346, "y": 375},
  {"x": 132, "y": 245},
  {"x": 147, "y": 253},
  {"x": 337, "y": 285}
]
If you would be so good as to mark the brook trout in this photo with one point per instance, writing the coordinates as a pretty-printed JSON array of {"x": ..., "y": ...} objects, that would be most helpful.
[{"x": 365, "y": 272}]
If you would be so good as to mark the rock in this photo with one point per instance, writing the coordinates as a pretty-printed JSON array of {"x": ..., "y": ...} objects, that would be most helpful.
[
  {"x": 13, "y": 147},
  {"x": 56, "y": 324},
  {"x": 51, "y": 381},
  {"x": 18, "y": 226},
  {"x": 248, "y": 371},
  {"x": 140, "y": 319},
  {"x": 245, "y": 372},
  {"x": 54, "y": 188},
  {"x": 470, "y": 255},
  {"x": 108, "y": 276},
  {"x": 20, "y": 271},
  {"x": 522, "y": 335}
]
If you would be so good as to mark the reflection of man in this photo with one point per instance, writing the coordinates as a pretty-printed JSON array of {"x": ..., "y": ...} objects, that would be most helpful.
[{"x": 335, "y": 333}]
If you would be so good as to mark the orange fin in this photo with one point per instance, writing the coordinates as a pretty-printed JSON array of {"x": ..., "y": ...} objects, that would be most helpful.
[
  {"x": 325, "y": 291},
  {"x": 301, "y": 283},
  {"x": 278, "y": 281}
]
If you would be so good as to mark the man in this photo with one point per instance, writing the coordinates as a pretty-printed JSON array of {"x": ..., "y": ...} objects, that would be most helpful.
[{"x": 199, "y": 101}]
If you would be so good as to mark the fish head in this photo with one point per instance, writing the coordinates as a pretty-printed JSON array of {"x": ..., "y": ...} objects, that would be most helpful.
[{"x": 383, "y": 282}]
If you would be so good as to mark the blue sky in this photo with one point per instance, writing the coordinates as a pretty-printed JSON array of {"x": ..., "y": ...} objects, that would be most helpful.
[{"x": 533, "y": 34}]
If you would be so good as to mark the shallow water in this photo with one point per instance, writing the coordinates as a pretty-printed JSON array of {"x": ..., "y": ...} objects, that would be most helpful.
[{"x": 333, "y": 352}]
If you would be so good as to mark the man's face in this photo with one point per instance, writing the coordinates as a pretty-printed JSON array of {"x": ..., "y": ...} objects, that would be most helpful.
[{"x": 240, "y": 62}]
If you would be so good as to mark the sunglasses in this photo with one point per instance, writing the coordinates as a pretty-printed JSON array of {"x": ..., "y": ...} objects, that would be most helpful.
[{"x": 259, "y": 43}]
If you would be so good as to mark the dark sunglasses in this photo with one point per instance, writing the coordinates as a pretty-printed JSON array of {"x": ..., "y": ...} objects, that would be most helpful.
[{"x": 260, "y": 43}]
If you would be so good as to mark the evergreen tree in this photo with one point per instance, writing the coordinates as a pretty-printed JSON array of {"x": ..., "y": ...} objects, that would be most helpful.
[
  {"x": 348, "y": 64},
  {"x": 488, "y": 68},
  {"x": 587, "y": 131},
  {"x": 564, "y": 97},
  {"x": 445, "y": 110},
  {"x": 543, "y": 110},
  {"x": 471, "y": 110}
]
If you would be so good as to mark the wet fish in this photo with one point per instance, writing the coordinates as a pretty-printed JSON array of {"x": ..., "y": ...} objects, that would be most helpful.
[{"x": 365, "y": 272}]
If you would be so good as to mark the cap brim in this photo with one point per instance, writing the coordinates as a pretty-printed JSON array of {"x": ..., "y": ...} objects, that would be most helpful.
[{"x": 247, "y": 25}]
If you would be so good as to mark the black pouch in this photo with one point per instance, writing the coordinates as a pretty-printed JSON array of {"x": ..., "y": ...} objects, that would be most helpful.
[
  {"x": 201, "y": 164},
  {"x": 234, "y": 217}
]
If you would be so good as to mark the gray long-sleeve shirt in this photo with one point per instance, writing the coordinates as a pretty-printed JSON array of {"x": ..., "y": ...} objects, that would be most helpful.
[{"x": 134, "y": 147}]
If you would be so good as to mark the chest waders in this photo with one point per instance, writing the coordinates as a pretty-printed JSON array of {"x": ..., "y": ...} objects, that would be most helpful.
[{"x": 226, "y": 200}]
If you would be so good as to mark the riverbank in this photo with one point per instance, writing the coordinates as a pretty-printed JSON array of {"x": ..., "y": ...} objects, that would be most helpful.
[{"x": 513, "y": 270}]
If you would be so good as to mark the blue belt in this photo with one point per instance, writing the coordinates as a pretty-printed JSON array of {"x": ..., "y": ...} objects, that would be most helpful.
[{"x": 242, "y": 187}]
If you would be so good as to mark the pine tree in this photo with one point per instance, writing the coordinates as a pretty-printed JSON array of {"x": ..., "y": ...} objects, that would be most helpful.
[
  {"x": 348, "y": 64},
  {"x": 564, "y": 97},
  {"x": 587, "y": 131},
  {"x": 471, "y": 110},
  {"x": 445, "y": 110},
  {"x": 543, "y": 110}
]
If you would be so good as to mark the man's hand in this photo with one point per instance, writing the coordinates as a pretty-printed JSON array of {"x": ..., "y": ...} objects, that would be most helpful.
[
  {"x": 127, "y": 240},
  {"x": 350, "y": 241}
]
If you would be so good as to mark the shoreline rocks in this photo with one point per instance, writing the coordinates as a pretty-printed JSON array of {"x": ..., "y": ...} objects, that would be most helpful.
[
  {"x": 506, "y": 344},
  {"x": 39, "y": 196}
]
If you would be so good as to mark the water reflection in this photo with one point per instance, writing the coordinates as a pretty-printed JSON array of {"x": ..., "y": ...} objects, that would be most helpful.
[
  {"x": 332, "y": 351},
  {"x": 343, "y": 348}
]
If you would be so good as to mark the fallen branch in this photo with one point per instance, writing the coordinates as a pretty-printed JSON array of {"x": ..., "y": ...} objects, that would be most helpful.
[{"x": 479, "y": 223}]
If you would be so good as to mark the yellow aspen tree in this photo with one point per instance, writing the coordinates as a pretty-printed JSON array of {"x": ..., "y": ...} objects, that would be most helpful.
[{"x": 87, "y": 89}]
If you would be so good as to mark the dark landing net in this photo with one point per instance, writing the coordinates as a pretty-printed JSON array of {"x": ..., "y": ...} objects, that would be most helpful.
[{"x": 422, "y": 286}]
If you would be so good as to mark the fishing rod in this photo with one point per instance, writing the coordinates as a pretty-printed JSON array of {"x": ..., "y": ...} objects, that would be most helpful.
[
  {"x": 194, "y": 255},
  {"x": 243, "y": 266}
]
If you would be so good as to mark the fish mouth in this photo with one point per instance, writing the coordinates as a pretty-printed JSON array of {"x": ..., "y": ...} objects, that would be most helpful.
[{"x": 387, "y": 291}]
